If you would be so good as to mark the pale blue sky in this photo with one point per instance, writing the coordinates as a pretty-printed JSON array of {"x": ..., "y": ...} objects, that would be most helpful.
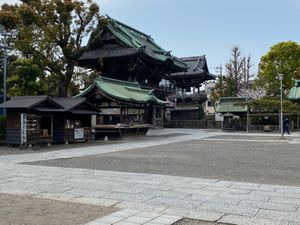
[{"x": 210, "y": 27}]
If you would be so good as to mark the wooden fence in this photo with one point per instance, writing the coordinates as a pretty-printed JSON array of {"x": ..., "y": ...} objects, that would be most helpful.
[{"x": 266, "y": 128}]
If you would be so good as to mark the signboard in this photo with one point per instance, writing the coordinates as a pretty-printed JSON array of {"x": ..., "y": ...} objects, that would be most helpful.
[
  {"x": 219, "y": 117},
  {"x": 23, "y": 128},
  {"x": 79, "y": 133},
  {"x": 168, "y": 114},
  {"x": 111, "y": 111},
  {"x": 94, "y": 120},
  {"x": 133, "y": 111}
]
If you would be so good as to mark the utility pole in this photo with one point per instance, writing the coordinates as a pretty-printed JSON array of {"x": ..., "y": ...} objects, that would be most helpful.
[
  {"x": 4, "y": 47},
  {"x": 281, "y": 107},
  {"x": 219, "y": 70},
  {"x": 280, "y": 78}
]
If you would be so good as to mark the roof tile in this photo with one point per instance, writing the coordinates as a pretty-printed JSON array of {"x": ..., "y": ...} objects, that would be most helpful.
[
  {"x": 136, "y": 41},
  {"x": 122, "y": 90}
]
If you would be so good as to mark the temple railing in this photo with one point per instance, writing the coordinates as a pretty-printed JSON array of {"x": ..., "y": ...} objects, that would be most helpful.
[{"x": 158, "y": 87}]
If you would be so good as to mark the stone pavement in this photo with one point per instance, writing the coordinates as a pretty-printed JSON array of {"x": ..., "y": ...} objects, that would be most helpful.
[
  {"x": 149, "y": 198},
  {"x": 134, "y": 217}
]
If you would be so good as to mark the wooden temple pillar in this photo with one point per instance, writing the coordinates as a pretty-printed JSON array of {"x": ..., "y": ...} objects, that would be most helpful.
[{"x": 121, "y": 114}]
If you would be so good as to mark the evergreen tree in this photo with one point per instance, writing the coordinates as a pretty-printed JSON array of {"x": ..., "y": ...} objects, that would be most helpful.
[
  {"x": 51, "y": 32},
  {"x": 24, "y": 79},
  {"x": 283, "y": 58}
]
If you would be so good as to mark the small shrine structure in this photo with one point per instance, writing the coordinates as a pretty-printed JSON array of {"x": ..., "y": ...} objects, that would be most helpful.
[
  {"x": 35, "y": 120},
  {"x": 125, "y": 107}
]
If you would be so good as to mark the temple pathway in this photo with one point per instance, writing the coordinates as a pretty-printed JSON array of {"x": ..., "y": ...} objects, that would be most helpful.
[{"x": 149, "y": 198}]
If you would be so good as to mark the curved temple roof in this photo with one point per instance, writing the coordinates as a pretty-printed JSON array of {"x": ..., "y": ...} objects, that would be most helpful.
[
  {"x": 122, "y": 90},
  {"x": 231, "y": 105},
  {"x": 45, "y": 103},
  {"x": 131, "y": 42},
  {"x": 197, "y": 65}
]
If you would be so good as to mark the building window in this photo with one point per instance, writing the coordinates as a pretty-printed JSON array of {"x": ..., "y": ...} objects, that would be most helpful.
[
  {"x": 209, "y": 104},
  {"x": 208, "y": 92}
]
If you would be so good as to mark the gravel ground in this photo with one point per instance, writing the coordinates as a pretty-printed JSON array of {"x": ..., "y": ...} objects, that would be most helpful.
[
  {"x": 5, "y": 150},
  {"x": 16, "y": 210},
  {"x": 263, "y": 136},
  {"x": 196, "y": 222},
  {"x": 245, "y": 161}
]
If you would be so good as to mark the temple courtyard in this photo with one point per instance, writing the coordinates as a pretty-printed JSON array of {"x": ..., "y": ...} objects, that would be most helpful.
[{"x": 171, "y": 176}]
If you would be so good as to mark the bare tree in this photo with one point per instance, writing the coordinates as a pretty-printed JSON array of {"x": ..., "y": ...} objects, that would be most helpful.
[
  {"x": 238, "y": 72},
  {"x": 247, "y": 74}
]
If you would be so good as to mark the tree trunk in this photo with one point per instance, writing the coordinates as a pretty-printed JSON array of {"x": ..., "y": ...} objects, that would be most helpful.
[
  {"x": 63, "y": 86},
  {"x": 63, "y": 89}
]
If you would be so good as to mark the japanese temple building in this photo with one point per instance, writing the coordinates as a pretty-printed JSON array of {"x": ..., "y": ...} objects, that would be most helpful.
[
  {"x": 194, "y": 77},
  {"x": 191, "y": 81},
  {"x": 124, "y": 106},
  {"x": 137, "y": 77},
  {"x": 108, "y": 108},
  {"x": 124, "y": 53},
  {"x": 188, "y": 96}
]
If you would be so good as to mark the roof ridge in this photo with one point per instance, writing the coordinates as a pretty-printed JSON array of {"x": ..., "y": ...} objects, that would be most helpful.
[
  {"x": 161, "y": 51},
  {"x": 133, "y": 40},
  {"x": 111, "y": 80},
  {"x": 137, "y": 41},
  {"x": 148, "y": 37},
  {"x": 29, "y": 96},
  {"x": 193, "y": 57},
  {"x": 127, "y": 41},
  {"x": 78, "y": 101},
  {"x": 141, "y": 90},
  {"x": 129, "y": 27}
]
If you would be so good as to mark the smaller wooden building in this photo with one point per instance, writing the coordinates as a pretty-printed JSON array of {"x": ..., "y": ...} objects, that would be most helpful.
[
  {"x": 125, "y": 108},
  {"x": 233, "y": 112},
  {"x": 74, "y": 125},
  {"x": 40, "y": 119}
]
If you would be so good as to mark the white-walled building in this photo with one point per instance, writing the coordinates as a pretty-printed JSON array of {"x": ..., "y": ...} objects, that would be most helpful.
[{"x": 208, "y": 107}]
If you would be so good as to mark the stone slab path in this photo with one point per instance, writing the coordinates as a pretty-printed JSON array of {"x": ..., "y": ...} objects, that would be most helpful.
[
  {"x": 134, "y": 217},
  {"x": 149, "y": 198}
]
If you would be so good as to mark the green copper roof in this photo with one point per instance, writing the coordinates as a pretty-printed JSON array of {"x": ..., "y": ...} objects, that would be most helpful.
[
  {"x": 230, "y": 105},
  {"x": 295, "y": 91},
  {"x": 141, "y": 42},
  {"x": 122, "y": 90}
]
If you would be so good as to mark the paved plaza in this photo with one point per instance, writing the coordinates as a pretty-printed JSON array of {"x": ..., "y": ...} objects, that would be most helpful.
[
  {"x": 235, "y": 178},
  {"x": 231, "y": 158}
]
